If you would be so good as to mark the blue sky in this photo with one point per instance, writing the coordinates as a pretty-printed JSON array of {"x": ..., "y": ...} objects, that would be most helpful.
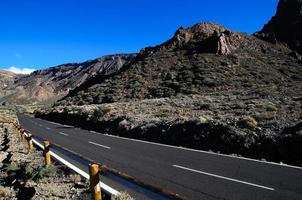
[{"x": 41, "y": 33}]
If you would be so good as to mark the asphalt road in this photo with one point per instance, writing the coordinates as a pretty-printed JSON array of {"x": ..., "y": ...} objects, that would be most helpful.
[{"x": 195, "y": 174}]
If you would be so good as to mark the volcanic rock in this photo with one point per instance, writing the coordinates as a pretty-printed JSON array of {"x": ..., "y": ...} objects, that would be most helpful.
[{"x": 285, "y": 26}]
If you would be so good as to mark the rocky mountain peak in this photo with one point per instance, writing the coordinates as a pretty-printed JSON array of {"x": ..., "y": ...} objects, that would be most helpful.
[
  {"x": 205, "y": 38},
  {"x": 285, "y": 26},
  {"x": 290, "y": 9},
  {"x": 199, "y": 31}
]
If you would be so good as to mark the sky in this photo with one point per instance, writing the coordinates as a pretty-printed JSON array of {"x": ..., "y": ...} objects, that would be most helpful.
[{"x": 35, "y": 34}]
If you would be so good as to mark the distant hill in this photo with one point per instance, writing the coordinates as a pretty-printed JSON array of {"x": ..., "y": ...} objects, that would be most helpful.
[
  {"x": 6, "y": 80},
  {"x": 49, "y": 85},
  {"x": 7, "y": 74}
]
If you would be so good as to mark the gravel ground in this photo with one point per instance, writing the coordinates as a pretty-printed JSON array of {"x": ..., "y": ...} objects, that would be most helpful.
[
  {"x": 55, "y": 182},
  {"x": 24, "y": 176}
]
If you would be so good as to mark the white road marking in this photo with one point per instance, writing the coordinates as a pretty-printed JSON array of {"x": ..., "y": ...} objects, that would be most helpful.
[
  {"x": 63, "y": 133},
  {"x": 47, "y": 128},
  {"x": 207, "y": 152},
  {"x": 55, "y": 123},
  {"x": 60, "y": 124},
  {"x": 106, "y": 147},
  {"x": 95, "y": 132},
  {"x": 223, "y": 177},
  {"x": 201, "y": 151}
]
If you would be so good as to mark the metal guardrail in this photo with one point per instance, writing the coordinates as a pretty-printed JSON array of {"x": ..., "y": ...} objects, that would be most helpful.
[
  {"x": 104, "y": 187},
  {"x": 97, "y": 185}
]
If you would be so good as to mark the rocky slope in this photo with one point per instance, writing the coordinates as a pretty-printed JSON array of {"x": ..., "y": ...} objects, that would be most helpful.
[
  {"x": 6, "y": 80},
  {"x": 207, "y": 88},
  {"x": 286, "y": 25},
  {"x": 205, "y": 58},
  {"x": 49, "y": 85}
]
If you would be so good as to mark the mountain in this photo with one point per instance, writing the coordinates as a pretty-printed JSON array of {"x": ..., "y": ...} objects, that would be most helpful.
[
  {"x": 7, "y": 74},
  {"x": 207, "y": 88},
  {"x": 6, "y": 79},
  {"x": 205, "y": 58},
  {"x": 49, "y": 85},
  {"x": 286, "y": 25}
]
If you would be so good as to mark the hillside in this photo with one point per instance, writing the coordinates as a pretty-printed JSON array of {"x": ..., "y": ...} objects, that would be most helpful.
[
  {"x": 6, "y": 80},
  {"x": 207, "y": 88},
  {"x": 285, "y": 26},
  {"x": 7, "y": 74},
  {"x": 203, "y": 59},
  {"x": 49, "y": 85}
]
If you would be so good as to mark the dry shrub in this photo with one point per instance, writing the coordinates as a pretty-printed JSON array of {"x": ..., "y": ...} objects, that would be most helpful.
[
  {"x": 122, "y": 196},
  {"x": 249, "y": 123}
]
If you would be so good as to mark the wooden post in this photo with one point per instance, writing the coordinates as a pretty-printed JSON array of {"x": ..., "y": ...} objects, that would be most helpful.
[
  {"x": 20, "y": 133},
  {"x": 94, "y": 182},
  {"x": 23, "y": 137},
  {"x": 47, "y": 157},
  {"x": 30, "y": 143}
]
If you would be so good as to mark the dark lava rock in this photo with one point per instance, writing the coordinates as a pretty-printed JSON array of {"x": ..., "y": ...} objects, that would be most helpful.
[
  {"x": 285, "y": 26},
  {"x": 290, "y": 144}
]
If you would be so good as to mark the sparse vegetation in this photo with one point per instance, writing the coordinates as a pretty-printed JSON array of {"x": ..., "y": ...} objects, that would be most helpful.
[
  {"x": 249, "y": 122},
  {"x": 162, "y": 114},
  {"x": 5, "y": 193},
  {"x": 23, "y": 174},
  {"x": 47, "y": 171},
  {"x": 227, "y": 123},
  {"x": 122, "y": 196}
]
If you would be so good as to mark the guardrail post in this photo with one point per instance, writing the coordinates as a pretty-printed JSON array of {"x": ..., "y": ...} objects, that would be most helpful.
[
  {"x": 94, "y": 182},
  {"x": 20, "y": 133},
  {"x": 23, "y": 137},
  {"x": 47, "y": 157},
  {"x": 30, "y": 143}
]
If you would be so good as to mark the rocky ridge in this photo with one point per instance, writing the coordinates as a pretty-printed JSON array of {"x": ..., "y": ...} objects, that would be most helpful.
[
  {"x": 285, "y": 26},
  {"x": 49, "y": 85},
  {"x": 205, "y": 38},
  {"x": 201, "y": 59},
  {"x": 6, "y": 80}
]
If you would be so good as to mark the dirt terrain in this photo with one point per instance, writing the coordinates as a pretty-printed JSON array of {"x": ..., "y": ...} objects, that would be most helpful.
[{"x": 23, "y": 177}]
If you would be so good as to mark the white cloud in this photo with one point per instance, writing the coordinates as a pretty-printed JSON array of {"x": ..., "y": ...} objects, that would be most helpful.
[{"x": 17, "y": 70}]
